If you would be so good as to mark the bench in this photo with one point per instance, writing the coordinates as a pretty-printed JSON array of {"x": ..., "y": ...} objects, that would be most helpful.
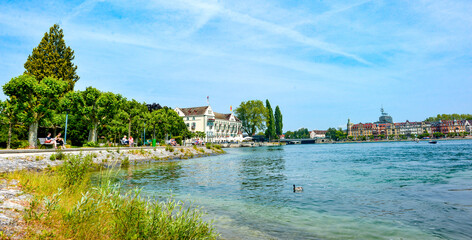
[
  {"x": 42, "y": 142},
  {"x": 127, "y": 144}
]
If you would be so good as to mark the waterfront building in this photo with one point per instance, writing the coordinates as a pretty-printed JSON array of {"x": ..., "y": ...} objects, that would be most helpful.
[
  {"x": 318, "y": 134},
  {"x": 218, "y": 127},
  {"x": 386, "y": 127},
  {"x": 451, "y": 126}
]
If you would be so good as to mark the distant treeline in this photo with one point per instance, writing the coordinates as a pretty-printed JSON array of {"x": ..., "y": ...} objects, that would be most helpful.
[{"x": 449, "y": 117}]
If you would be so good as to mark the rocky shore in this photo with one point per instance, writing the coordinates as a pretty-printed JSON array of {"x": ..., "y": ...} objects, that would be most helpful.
[
  {"x": 40, "y": 160},
  {"x": 13, "y": 201}
]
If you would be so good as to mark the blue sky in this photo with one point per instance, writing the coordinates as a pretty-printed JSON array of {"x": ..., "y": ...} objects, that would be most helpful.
[{"x": 320, "y": 61}]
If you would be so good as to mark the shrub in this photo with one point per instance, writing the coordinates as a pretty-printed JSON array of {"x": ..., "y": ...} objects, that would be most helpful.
[
  {"x": 91, "y": 144},
  {"x": 169, "y": 148},
  {"x": 125, "y": 162},
  {"x": 19, "y": 144},
  {"x": 75, "y": 169},
  {"x": 178, "y": 139}
]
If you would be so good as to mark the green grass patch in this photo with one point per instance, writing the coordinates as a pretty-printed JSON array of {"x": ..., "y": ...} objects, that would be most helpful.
[{"x": 66, "y": 205}]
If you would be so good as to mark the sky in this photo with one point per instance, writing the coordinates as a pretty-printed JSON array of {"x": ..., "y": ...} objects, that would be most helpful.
[{"x": 321, "y": 62}]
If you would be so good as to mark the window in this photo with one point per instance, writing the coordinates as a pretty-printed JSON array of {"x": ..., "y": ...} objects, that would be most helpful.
[
  {"x": 187, "y": 118},
  {"x": 193, "y": 118}
]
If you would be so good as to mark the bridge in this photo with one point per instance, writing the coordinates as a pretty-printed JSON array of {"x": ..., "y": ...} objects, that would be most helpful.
[{"x": 304, "y": 141}]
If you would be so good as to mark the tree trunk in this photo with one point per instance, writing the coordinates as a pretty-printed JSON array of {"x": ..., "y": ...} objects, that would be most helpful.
[
  {"x": 129, "y": 127},
  {"x": 93, "y": 133},
  {"x": 9, "y": 135},
  {"x": 33, "y": 134},
  {"x": 54, "y": 131}
]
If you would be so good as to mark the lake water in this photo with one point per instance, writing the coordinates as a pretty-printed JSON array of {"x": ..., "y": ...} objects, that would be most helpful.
[{"x": 401, "y": 190}]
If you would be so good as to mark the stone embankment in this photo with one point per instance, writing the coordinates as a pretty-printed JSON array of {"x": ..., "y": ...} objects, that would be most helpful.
[
  {"x": 13, "y": 201},
  {"x": 12, "y": 204},
  {"x": 16, "y": 160}
]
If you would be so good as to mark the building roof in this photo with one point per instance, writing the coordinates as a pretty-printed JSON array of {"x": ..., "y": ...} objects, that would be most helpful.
[
  {"x": 320, "y": 131},
  {"x": 222, "y": 115},
  {"x": 194, "y": 111}
]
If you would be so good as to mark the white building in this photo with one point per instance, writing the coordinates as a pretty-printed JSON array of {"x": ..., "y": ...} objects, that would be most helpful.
[
  {"x": 218, "y": 127},
  {"x": 318, "y": 134}
]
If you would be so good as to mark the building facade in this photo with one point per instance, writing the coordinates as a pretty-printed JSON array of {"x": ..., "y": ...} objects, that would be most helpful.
[
  {"x": 218, "y": 127},
  {"x": 386, "y": 127},
  {"x": 318, "y": 134}
]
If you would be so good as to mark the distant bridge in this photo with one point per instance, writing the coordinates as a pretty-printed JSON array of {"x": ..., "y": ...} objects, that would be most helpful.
[{"x": 299, "y": 141}]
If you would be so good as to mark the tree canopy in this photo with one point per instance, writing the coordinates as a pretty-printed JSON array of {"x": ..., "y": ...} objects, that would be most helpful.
[
  {"x": 35, "y": 99},
  {"x": 270, "y": 122},
  {"x": 278, "y": 121},
  {"x": 52, "y": 58},
  {"x": 252, "y": 115},
  {"x": 298, "y": 134},
  {"x": 454, "y": 116},
  {"x": 94, "y": 106},
  {"x": 336, "y": 134}
]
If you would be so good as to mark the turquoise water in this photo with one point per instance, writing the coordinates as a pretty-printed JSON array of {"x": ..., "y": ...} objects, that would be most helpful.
[{"x": 401, "y": 190}]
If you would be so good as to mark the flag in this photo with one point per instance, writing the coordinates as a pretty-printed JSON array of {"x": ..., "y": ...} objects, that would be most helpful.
[
  {"x": 231, "y": 108},
  {"x": 208, "y": 99}
]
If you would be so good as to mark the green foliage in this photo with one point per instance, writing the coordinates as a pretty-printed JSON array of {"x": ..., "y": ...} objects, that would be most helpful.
[
  {"x": 299, "y": 134},
  {"x": 52, "y": 58},
  {"x": 252, "y": 115},
  {"x": 178, "y": 139},
  {"x": 93, "y": 106},
  {"x": 169, "y": 148},
  {"x": 270, "y": 122},
  {"x": 125, "y": 162},
  {"x": 423, "y": 135},
  {"x": 335, "y": 134},
  {"x": 75, "y": 169},
  {"x": 59, "y": 155},
  {"x": 34, "y": 100},
  {"x": 454, "y": 116},
  {"x": 166, "y": 121},
  {"x": 278, "y": 121},
  {"x": 19, "y": 144},
  {"x": 91, "y": 144},
  {"x": 438, "y": 135}
]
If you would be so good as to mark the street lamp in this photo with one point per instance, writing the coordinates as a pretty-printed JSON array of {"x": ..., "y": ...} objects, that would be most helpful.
[{"x": 65, "y": 133}]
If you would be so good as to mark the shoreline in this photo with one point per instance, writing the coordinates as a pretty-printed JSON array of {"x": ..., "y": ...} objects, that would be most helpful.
[
  {"x": 38, "y": 160},
  {"x": 15, "y": 201}
]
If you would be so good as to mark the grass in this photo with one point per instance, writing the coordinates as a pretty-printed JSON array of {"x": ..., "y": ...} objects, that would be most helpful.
[{"x": 66, "y": 205}]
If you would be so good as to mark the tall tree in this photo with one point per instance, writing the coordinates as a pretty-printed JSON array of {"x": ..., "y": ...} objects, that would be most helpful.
[
  {"x": 270, "y": 123},
  {"x": 93, "y": 106},
  {"x": 252, "y": 115},
  {"x": 52, "y": 58},
  {"x": 278, "y": 121},
  {"x": 9, "y": 116},
  {"x": 35, "y": 99},
  {"x": 132, "y": 109}
]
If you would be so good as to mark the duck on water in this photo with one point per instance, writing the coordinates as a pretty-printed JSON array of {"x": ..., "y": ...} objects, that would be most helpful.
[{"x": 297, "y": 189}]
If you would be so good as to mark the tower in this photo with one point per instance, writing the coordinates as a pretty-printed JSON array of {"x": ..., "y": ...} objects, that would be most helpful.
[{"x": 349, "y": 127}]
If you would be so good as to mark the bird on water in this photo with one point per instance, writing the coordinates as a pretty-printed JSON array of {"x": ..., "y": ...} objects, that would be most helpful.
[{"x": 297, "y": 189}]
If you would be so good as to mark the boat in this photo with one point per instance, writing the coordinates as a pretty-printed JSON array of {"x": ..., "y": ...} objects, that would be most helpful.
[{"x": 433, "y": 142}]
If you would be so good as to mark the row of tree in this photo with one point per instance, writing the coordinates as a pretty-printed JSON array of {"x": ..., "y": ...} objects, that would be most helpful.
[
  {"x": 454, "y": 116},
  {"x": 301, "y": 133},
  {"x": 43, "y": 96},
  {"x": 254, "y": 117}
]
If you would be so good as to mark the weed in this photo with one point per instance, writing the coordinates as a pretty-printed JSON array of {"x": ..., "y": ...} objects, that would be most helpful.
[
  {"x": 125, "y": 162},
  {"x": 75, "y": 169}
]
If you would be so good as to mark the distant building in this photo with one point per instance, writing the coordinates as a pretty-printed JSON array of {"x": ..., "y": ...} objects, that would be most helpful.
[
  {"x": 218, "y": 127},
  {"x": 386, "y": 127},
  {"x": 318, "y": 134}
]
